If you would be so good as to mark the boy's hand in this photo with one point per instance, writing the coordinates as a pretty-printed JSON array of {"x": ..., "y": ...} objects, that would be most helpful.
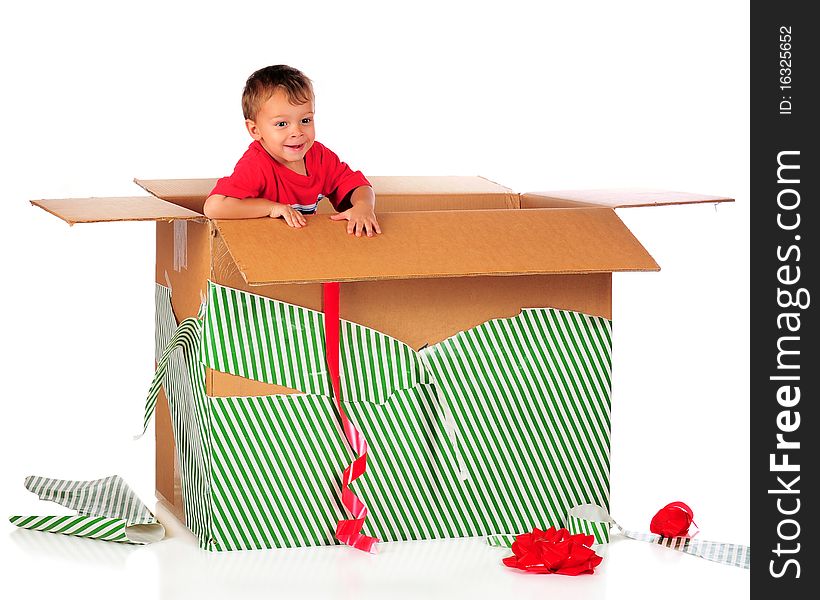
[
  {"x": 291, "y": 216},
  {"x": 359, "y": 218}
]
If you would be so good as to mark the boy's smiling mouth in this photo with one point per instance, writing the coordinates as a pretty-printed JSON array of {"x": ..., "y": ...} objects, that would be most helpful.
[{"x": 295, "y": 148}]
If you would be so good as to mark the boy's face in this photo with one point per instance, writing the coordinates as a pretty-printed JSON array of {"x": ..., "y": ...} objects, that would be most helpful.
[{"x": 284, "y": 130}]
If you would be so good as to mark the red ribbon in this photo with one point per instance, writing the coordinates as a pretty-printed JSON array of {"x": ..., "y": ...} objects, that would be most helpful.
[
  {"x": 348, "y": 531},
  {"x": 553, "y": 551},
  {"x": 673, "y": 520}
]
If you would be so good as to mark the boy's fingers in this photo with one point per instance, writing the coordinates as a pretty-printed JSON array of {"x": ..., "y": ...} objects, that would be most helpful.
[{"x": 291, "y": 219}]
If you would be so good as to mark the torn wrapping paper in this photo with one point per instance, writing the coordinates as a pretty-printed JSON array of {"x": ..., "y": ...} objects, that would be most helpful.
[
  {"x": 496, "y": 429},
  {"x": 107, "y": 509}
]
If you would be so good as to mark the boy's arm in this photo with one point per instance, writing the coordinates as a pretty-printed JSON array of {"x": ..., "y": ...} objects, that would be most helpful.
[
  {"x": 365, "y": 196},
  {"x": 361, "y": 216},
  {"x": 238, "y": 196},
  {"x": 218, "y": 206}
]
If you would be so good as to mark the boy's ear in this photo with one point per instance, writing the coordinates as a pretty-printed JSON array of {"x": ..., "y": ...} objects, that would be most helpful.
[{"x": 253, "y": 129}]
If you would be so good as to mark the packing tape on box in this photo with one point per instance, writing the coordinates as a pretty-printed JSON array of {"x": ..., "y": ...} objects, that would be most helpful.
[
  {"x": 451, "y": 428},
  {"x": 591, "y": 519},
  {"x": 180, "y": 244},
  {"x": 107, "y": 509},
  {"x": 203, "y": 305}
]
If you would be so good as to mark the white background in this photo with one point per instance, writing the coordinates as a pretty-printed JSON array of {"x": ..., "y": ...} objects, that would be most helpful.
[{"x": 537, "y": 96}]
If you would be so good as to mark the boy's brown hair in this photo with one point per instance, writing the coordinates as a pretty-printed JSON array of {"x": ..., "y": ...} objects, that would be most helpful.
[{"x": 264, "y": 82}]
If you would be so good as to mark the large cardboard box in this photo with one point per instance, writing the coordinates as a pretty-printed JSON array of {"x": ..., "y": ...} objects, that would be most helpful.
[{"x": 476, "y": 348}]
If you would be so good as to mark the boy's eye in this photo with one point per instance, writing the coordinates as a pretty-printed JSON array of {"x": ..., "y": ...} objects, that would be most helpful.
[
  {"x": 281, "y": 124},
  {"x": 306, "y": 120}
]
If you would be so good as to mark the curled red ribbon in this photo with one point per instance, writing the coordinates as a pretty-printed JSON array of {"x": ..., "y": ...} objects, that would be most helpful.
[
  {"x": 348, "y": 531},
  {"x": 673, "y": 520},
  {"x": 553, "y": 551}
]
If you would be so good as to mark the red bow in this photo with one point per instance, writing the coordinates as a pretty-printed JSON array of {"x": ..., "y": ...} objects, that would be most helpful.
[
  {"x": 673, "y": 520},
  {"x": 553, "y": 551}
]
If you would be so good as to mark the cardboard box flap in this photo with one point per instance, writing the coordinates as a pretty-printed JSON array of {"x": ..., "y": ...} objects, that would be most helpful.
[
  {"x": 435, "y": 244},
  {"x": 436, "y": 185},
  {"x": 100, "y": 210},
  {"x": 393, "y": 193},
  {"x": 190, "y": 193},
  {"x": 614, "y": 198}
]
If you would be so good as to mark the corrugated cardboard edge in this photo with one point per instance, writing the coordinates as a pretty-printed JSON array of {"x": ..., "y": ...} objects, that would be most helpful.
[
  {"x": 616, "y": 198},
  {"x": 38, "y": 204},
  {"x": 256, "y": 284},
  {"x": 514, "y": 198},
  {"x": 173, "y": 214}
]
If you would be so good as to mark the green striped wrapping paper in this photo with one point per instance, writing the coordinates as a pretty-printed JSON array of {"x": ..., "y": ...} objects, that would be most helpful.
[
  {"x": 495, "y": 430},
  {"x": 107, "y": 509}
]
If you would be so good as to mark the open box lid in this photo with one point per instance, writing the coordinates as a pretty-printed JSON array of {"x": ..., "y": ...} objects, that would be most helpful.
[
  {"x": 393, "y": 193},
  {"x": 100, "y": 210},
  {"x": 615, "y": 198},
  {"x": 434, "y": 244}
]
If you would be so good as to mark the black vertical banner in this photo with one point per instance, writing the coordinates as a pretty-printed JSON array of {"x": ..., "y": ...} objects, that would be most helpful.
[{"x": 784, "y": 337}]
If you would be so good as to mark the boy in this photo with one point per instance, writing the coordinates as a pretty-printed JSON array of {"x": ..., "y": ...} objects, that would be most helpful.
[{"x": 285, "y": 172}]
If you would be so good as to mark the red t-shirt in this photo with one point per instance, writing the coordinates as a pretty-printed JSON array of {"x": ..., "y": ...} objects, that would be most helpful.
[{"x": 259, "y": 175}]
